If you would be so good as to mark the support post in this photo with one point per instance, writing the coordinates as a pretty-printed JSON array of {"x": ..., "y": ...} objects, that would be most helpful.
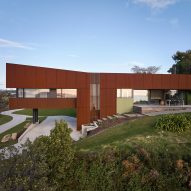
[{"x": 35, "y": 116}]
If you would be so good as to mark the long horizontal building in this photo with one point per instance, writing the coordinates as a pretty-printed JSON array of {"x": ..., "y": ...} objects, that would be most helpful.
[{"x": 94, "y": 95}]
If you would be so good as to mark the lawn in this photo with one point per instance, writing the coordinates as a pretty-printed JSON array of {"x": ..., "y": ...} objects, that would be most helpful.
[
  {"x": 49, "y": 112},
  {"x": 5, "y": 119},
  {"x": 19, "y": 129},
  {"x": 140, "y": 132}
]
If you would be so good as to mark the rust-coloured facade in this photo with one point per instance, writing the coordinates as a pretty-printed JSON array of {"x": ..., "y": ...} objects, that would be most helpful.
[{"x": 31, "y": 77}]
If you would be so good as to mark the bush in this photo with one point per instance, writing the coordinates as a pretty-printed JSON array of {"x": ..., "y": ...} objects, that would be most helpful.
[
  {"x": 174, "y": 123},
  {"x": 42, "y": 165},
  {"x": 52, "y": 164}
]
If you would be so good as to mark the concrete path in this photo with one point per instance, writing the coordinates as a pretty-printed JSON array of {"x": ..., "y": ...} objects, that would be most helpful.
[
  {"x": 46, "y": 126},
  {"x": 17, "y": 119},
  {"x": 37, "y": 130},
  {"x": 43, "y": 128}
]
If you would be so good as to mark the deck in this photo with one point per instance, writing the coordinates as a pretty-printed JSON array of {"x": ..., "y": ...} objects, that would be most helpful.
[{"x": 145, "y": 109}]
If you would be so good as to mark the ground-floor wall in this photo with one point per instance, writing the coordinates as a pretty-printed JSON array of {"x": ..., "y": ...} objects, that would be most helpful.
[
  {"x": 83, "y": 107},
  {"x": 124, "y": 105},
  {"x": 109, "y": 103}
]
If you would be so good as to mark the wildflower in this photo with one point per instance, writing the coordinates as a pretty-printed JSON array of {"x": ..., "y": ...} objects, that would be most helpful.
[{"x": 180, "y": 164}]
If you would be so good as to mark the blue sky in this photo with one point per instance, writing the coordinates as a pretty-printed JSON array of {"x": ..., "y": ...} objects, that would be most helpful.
[{"x": 93, "y": 35}]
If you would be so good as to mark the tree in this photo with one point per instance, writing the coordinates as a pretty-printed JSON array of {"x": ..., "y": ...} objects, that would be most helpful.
[
  {"x": 26, "y": 171},
  {"x": 4, "y": 99},
  {"x": 60, "y": 155},
  {"x": 42, "y": 165},
  {"x": 145, "y": 70},
  {"x": 182, "y": 63}
]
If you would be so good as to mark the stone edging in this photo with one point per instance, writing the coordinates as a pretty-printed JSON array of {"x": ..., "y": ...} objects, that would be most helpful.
[{"x": 26, "y": 131}]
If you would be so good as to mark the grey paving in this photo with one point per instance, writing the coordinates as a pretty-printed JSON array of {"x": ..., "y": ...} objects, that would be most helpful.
[
  {"x": 44, "y": 128},
  {"x": 168, "y": 112},
  {"x": 17, "y": 119},
  {"x": 47, "y": 125},
  {"x": 37, "y": 130}
]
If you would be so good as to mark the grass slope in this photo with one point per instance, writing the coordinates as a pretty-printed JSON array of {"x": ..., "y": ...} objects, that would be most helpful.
[
  {"x": 49, "y": 112},
  {"x": 19, "y": 129},
  {"x": 140, "y": 132},
  {"x": 5, "y": 119}
]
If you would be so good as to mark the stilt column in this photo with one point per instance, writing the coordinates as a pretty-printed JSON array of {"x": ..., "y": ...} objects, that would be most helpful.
[{"x": 35, "y": 115}]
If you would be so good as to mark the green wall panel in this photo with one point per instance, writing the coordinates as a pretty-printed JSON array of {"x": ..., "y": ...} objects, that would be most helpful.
[{"x": 124, "y": 105}]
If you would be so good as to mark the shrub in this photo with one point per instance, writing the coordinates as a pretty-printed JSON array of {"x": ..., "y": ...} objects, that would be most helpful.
[
  {"x": 174, "y": 123},
  {"x": 52, "y": 164},
  {"x": 42, "y": 165}
]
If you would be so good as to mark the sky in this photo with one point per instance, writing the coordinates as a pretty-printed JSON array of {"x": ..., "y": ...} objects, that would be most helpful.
[{"x": 93, "y": 35}]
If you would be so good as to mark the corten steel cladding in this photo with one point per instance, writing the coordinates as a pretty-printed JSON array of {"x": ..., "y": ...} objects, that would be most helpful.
[{"x": 22, "y": 76}]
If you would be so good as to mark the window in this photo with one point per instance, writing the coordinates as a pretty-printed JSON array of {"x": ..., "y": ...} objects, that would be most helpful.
[
  {"x": 124, "y": 93},
  {"x": 156, "y": 94},
  {"x": 52, "y": 93},
  {"x": 30, "y": 93},
  {"x": 140, "y": 96},
  {"x": 20, "y": 93},
  {"x": 95, "y": 96},
  {"x": 69, "y": 93},
  {"x": 43, "y": 93},
  {"x": 46, "y": 93},
  {"x": 59, "y": 93}
]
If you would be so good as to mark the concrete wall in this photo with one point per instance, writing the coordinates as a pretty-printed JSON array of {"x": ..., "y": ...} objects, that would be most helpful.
[{"x": 124, "y": 105}]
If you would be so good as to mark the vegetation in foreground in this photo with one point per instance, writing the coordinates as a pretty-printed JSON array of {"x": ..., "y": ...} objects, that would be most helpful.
[
  {"x": 4, "y": 99},
  {"x": 5, "y": 119},
  {"x": 19, "y": 129},
  {"x": 53, "y": 163},
  {"x": 174, "y": 123},
  {"x": 49, "y": 112},
  {"x": 140, "y": 132}
]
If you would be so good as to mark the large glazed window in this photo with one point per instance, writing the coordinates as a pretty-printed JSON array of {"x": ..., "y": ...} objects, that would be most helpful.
[
  {"x": 69, "y": 93},
  {"x": 30, "y": 93},
  {"x": 46, "y": 93},
  {"x": 95, "y": 96},
  {"x": 36, "y": 93},
  {"x": 140, "y": 96},
  {"x": 124, "y": 93},
  {"x": 43, "y": 93},
  {"x": 20, "y": 92}
]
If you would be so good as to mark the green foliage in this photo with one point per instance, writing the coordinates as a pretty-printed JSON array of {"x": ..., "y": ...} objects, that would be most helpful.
[
  {"x": 4, "y": 100},
  {"x": 60, "y": 154},
  {"x": 43, "y": 165},
  {"x": 51, "y": 163},
  {"x": 118, "y": 136},
  {"x": 49, "y": 112},
  {"x": 182, "y": 63},
  {"x": 19, "y": 129},
  {"x": 145, "y": 70},
  {"x": 5, "y": 119},
  {"x": 120, "y": 170},
  {"x": 175, "y": 123},
  {"x": 96, "y": 171},
  {"x": 26, "y": 171}
]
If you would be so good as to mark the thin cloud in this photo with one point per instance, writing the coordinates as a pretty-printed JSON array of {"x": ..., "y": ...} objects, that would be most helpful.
[
  {"x": 13, "y": 44},
  {"x": 156, "y": 4},
  {"x": 174, "y": 22}
]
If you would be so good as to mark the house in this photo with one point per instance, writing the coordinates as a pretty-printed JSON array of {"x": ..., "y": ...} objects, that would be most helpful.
[{"x": 94, "y": 95}]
